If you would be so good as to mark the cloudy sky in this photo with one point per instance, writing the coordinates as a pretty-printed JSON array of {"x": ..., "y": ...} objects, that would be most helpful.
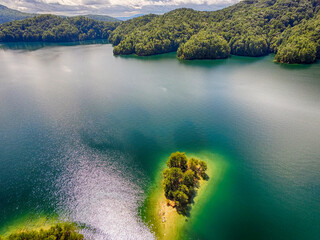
[{"x": 116, "y": 8}]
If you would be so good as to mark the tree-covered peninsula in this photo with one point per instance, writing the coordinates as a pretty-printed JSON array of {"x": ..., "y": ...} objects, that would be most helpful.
[
  {"x": 51, "y": 28},
  {"x": 204, "y": 45},
  {"x": 288, "y": 28},
  {"x": 181, "y": 179}
]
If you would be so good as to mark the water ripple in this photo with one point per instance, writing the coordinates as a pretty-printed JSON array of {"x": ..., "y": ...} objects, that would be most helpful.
[{"x": 99, "y": 192}]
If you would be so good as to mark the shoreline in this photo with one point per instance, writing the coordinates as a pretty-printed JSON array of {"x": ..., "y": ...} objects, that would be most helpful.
[
  {"x": 28, "y": 223},
  {"x": 162, "y": 219}
]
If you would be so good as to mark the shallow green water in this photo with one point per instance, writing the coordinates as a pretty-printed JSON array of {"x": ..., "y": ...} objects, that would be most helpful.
[{"x": 82, "y": 133}]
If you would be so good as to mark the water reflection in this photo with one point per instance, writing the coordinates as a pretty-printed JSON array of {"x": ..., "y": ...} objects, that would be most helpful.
[
  {"x": 32, "y": 46},
  {"x": 99, "y": 192}
]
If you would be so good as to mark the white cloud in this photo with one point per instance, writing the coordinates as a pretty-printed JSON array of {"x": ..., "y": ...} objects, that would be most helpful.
[
  {"x": 112, "y": 7},
  {"x": 139, "y": 3}
]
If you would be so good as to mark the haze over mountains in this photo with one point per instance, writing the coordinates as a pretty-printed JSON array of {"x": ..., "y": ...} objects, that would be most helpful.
[{"x": 8, "y": 15}]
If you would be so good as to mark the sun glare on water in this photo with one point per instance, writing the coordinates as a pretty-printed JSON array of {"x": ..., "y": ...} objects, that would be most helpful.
[{"x": 101, "y": 195}]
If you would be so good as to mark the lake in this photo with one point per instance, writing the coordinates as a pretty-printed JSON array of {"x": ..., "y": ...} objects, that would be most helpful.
[{"x": 83, "y": 134}]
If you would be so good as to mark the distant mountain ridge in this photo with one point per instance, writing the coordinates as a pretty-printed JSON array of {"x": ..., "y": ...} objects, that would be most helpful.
[
  {"x": 131, "y": 17},
  {"x": 9, "y": 15},
  {"x": 103, "y": 18}
]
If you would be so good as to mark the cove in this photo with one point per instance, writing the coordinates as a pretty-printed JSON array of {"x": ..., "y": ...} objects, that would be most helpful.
[{"x": 83, "y": 135}]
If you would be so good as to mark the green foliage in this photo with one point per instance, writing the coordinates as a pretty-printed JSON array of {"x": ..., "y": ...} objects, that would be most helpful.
[
  {"x": 204, "y": 45},
  {"x": 127, "y": 27},
  {"x": 188, "y": 178},
  {"x": 158, "y": 34},
  {"x": 249, "y": 45},
  {"x": 300, "y": 44},
  {"x": 180, "y": 179},
  {"x": 178, "y": 160},
  {"x": 198, "y": 167},
  {"x": 172, "y": 177},
  {"x": 181, "y": 199},
  {"x": 63, "y": 231},
  {"x": 203, "y": 167},
  {"x": 193, "y": 163},
  {"x": 50, "y": 28},
  {"x": 297, "y": 50},
  {"x": 250, "y": 28},
  {"x": 288, "y": 28}
]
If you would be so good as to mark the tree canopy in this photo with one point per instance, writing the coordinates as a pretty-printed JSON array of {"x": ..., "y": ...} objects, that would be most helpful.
[
  {"x": 50, "y": 28},
  {"x": 204, "y": 45},
  {"x": 301, "y": 43},
  {"x": 288, "y": 28},
  {"x": 249, "y": 28},
  {"x": 180, "y": 179}
]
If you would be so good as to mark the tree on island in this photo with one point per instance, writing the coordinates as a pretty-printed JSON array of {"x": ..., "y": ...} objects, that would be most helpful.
[{"x": 181, "y": 179}]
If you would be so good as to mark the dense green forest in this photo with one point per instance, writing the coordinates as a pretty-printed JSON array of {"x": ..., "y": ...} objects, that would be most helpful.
[
  {"x": 8, "y": 15},
  {"x": 204, "y": 45},
  {"x": 66, "y": 231},
  {"x": 50, "y": 28},
  {"x": 126, "y": 28},
  {"x": 181, "y": 179},
  {"x": 301, "y": 43},
  {"x": 289, "y": 28}
]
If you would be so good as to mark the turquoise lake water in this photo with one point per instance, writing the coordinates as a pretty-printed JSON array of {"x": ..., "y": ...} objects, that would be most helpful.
[{"x": 82, "y": 135}]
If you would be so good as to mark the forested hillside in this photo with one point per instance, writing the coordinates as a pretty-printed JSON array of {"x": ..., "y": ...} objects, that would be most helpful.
[
  {"x": 289, "y": 28},
  {"x": 8, "y": 15},
  {"x": 50, "y": 28},
  {"x": 126, "y": 28},
  {"x": 301, "y": 43}
]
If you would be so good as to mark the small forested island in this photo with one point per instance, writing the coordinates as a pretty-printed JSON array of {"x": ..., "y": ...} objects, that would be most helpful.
[
  {"x": 180, "y": 191},
  {"x": 66, "y": 231},
  {"x": 181, "y": 179}
]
